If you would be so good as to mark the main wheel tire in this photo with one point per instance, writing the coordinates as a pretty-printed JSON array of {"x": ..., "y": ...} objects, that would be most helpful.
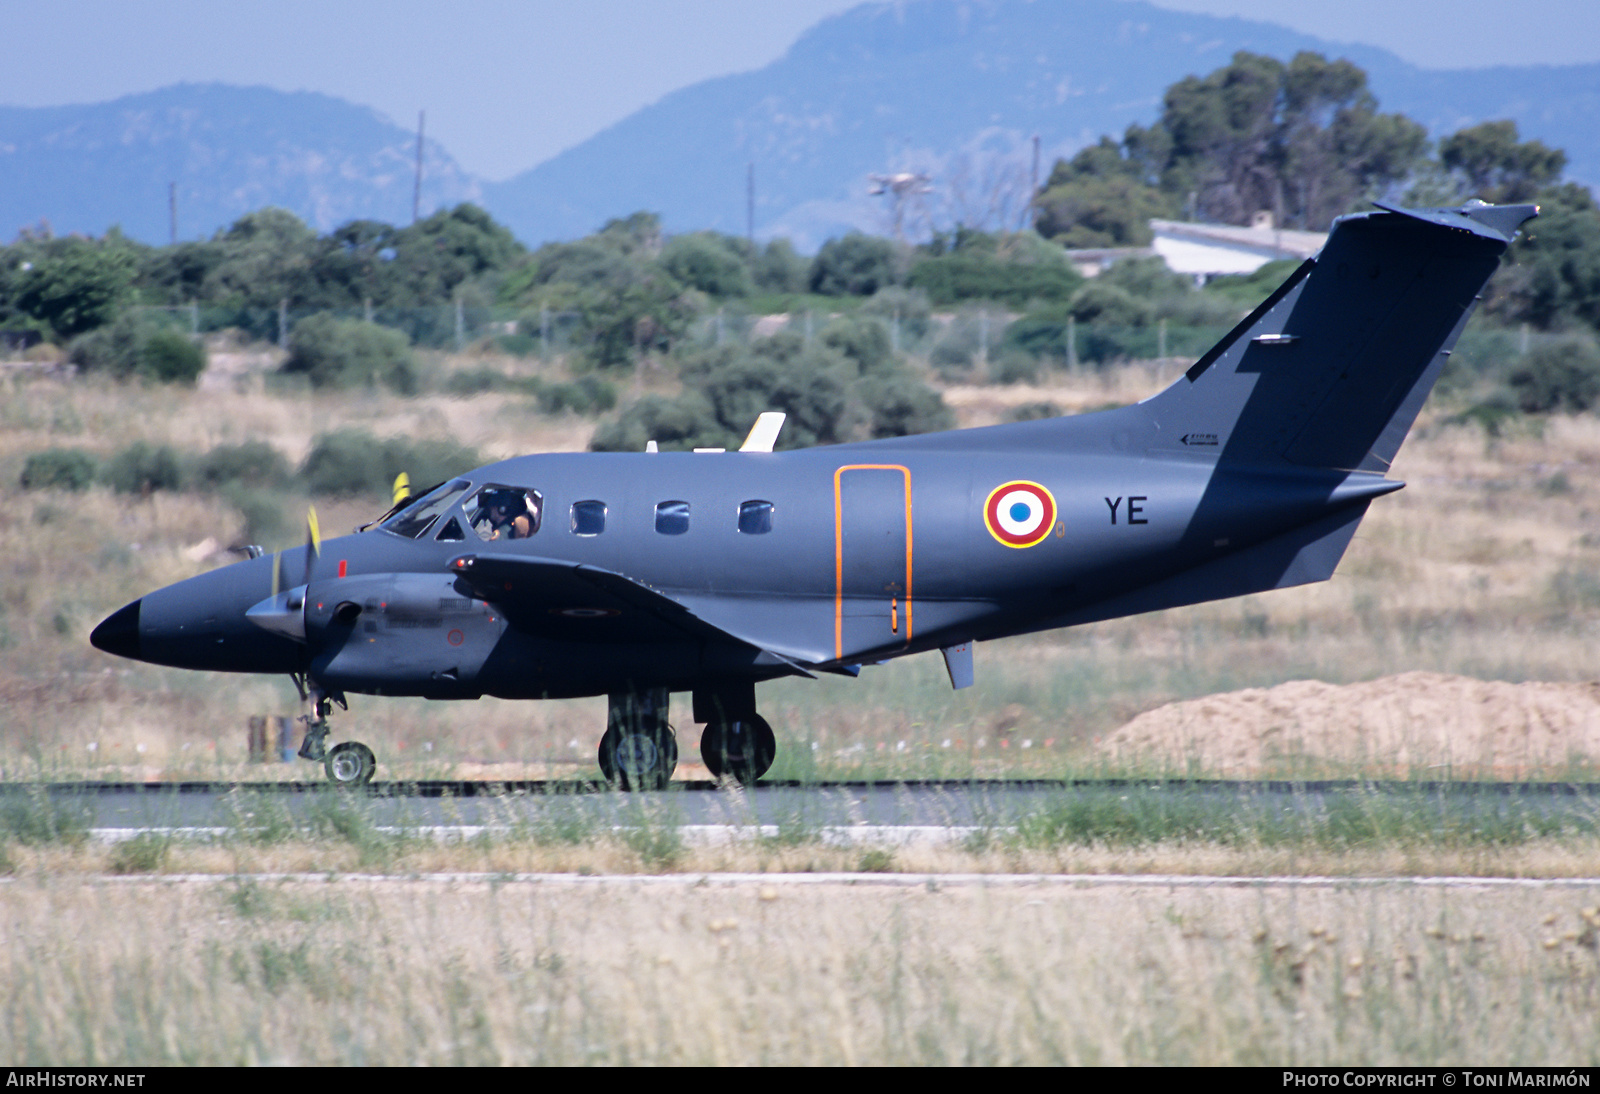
[
  {"x": 639, "y": 757},
  {"x": 742, "y": 749},
  {"x": 350, "y": 763}
]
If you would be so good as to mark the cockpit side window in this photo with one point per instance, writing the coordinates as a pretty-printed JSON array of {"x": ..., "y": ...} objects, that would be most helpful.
[
  {"x": 415, "y": 519},
  {"x": 505, "y": 512}
]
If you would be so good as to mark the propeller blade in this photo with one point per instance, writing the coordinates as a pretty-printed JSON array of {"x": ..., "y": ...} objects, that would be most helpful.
[
  {"x": 313, "y": 541},
  {"x": 402, "y": 488}
]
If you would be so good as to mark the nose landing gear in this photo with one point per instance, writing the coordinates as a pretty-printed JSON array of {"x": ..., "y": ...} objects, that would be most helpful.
[{"x": 349, "y": 763}]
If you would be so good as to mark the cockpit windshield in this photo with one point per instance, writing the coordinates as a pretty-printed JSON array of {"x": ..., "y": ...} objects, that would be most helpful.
[{"x": 415, "y": 519}]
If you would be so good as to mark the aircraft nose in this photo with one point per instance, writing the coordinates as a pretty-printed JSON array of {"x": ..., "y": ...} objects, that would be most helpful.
[{"x": 118, "y": 633}]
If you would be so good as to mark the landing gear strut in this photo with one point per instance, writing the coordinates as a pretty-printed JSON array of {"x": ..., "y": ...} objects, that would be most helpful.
[
  {"x": 639, "y": 750},
  {"x": 349, "y": 763}
]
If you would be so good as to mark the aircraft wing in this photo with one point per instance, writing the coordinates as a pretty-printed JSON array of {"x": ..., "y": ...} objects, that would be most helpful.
[{"x": 571, "y": 602}]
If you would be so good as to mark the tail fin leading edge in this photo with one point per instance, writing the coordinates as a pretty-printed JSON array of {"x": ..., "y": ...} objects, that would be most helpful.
[{"x": 1331, "y": 370}]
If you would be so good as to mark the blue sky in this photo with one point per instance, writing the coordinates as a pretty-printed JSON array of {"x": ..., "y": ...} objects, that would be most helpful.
[{"x": 509, "y": 83}]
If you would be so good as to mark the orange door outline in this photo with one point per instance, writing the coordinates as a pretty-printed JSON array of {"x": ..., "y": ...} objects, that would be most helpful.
[{"x": 838, "y": 547}]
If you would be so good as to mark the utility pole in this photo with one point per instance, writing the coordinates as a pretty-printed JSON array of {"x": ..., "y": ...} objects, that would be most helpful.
[
  {"x": 416, "y": 193},
  {"x": 1033, "y": 190},
  {"x": 172, "y": 209}
]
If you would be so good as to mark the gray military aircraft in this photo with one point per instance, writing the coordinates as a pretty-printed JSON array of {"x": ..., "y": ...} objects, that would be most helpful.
[{"x": 637, "y": 575}]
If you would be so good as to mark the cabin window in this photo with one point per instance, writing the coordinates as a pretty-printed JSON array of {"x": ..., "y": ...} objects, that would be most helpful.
[
  {"x": 415, "y": 519},
  {"x": 588, "y": 518},
  {"x": 452, "y": 532},
  {"x": 504, "y": 512},
  {"x": 672, "y": 518},
  {"x": 755, "y": 517}
]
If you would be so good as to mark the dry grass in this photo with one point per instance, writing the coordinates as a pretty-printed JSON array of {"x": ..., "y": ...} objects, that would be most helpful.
[{"x": 242, "y": 971}]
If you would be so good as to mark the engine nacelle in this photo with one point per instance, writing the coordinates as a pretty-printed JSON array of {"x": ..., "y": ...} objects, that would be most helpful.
[{"x": 399, "y": 634}]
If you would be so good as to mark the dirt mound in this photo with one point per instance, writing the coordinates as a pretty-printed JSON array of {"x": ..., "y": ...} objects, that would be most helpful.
[{"x": 1414, "y": 724}]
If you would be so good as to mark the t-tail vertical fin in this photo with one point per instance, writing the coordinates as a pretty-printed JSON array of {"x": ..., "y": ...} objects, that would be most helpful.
[{"x": 1331, "y": 370}]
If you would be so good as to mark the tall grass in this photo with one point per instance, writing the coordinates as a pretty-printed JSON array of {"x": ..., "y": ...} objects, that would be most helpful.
[{"x": 250, "y": 972}]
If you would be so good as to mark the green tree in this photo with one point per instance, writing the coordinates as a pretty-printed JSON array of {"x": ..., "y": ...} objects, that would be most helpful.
[
  {"x": 1494, "y": 165},
  {"x": 854, "y": 265},
  {"x": 1102, "y": 197},
  {"x": 76, "y": 285},
  {"x": 714, "y": 264},
  {"x": 346, "y": 353},
  {"x": 1552, "y": 274},
  {"x": 1303, "y": 140},
  {"x": 434, "y": 258},
  {"x": 265, "y": 257}
]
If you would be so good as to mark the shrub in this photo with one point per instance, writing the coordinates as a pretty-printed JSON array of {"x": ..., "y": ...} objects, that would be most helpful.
[
  {"x": 262, "y": 512},
  {"x": 909, "y": 306},
  {"x": 902, "y": 405},
  {"x": 113, "y": 349},
  {"x": 356, "y": 462},
  {"x": 254, "y": 463},
  {"x": 132, "y": 345},
  {"x": 347, "y": 462},
  {"x": 170, "y": 357},
  {"x": 856, "y": 265},
  {"x": 348, "y": 353},
  {"x": 142, "y": 468},
  {"x": 60, "y": 469},
  {"x": 1561, "y": 376},
  {"x": 1014, "y": 367},
  {"x": 586, "y": 395}
]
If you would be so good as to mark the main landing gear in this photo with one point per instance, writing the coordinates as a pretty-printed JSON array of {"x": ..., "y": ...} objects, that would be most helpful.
[
  {"x": 640, "y": 751},
  {"x": 349, "y": 763}
]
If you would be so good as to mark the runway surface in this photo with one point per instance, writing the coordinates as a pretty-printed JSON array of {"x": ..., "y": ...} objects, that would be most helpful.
[{"x": 955, "y": 806}]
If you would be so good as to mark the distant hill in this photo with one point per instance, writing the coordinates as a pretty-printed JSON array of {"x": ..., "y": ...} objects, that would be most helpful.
[
  {"x": 229, "y": 149},
  {"x": 952, "y": 87},
  {"x": 913, "y": 85}
]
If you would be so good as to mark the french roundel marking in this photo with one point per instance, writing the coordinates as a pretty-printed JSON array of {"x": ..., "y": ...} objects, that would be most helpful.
[{"x": 1020, "y": 513}]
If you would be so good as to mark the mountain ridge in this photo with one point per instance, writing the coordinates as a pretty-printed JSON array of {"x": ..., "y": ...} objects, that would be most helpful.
[{"x": 956, "y": 89}]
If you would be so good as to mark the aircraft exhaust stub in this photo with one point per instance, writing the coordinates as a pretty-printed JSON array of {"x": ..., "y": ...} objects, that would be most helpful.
[{"x": 667, "y": 572}]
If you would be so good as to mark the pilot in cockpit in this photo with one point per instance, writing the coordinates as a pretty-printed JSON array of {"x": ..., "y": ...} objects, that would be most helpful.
[{"x": 505, "y": 514}]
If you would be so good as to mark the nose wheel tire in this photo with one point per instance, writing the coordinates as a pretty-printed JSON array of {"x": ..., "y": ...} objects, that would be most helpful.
[
  {"x": 639, "y": 757},
  {"x": 350, "y": 764},
  {"x": 741, "y": 749}
]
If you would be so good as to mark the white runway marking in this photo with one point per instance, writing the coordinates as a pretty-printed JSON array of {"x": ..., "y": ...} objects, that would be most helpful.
[
  {"x": 695, "y": 835},
  {"x": 928, "y": 881}
]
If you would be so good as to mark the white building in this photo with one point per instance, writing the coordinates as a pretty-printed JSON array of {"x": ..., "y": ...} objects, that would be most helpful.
[{"x": 1207, "y": 250}]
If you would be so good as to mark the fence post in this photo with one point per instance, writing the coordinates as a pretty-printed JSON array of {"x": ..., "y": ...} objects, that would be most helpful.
[
  {"x": 194, "y": 318},
  {"x": 894, "y": 332},
  {"x": 461, "y": 334},
  {"x": 1072, "y": 342},
  {"x": 544, "y": 334},
  {"x": 983, "y": 342},
  {"x": 366, "y": 309},
  {"x": 283, "y": 324},
  {"x": 1161, "y": 340}
]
